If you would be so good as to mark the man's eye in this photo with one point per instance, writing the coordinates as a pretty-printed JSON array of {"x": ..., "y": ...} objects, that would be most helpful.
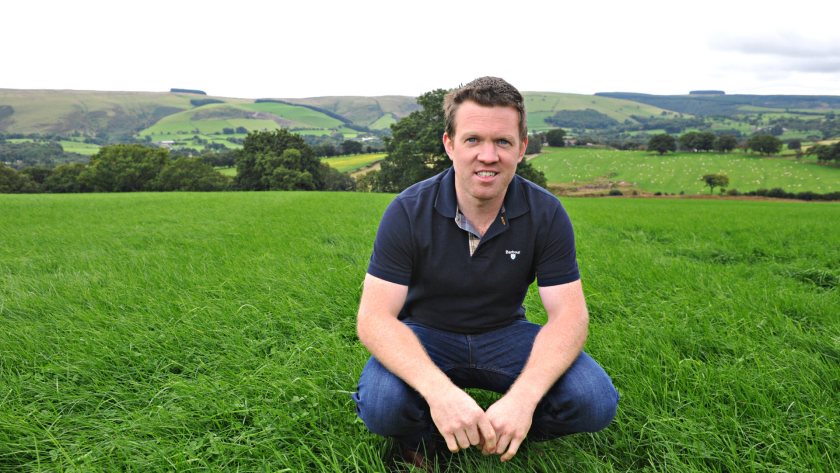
[
  {"x": 471, "y": 140},
  {"x": 504, "y": 142}
]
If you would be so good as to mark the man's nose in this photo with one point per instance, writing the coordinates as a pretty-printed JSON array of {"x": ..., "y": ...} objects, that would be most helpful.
[{"x": 488, "y": 153}]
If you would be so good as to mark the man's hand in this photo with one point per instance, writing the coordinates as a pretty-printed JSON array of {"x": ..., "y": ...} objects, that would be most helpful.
[
  {"x": 461, "y": 421},
  {"x": 511, "y": 420}
]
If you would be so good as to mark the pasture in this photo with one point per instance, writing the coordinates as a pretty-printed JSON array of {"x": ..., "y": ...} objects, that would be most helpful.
[
  {"x": 354, "y": 162},
  {"x": 576, "y": 168},
  {"x": 189, "y": 331}
]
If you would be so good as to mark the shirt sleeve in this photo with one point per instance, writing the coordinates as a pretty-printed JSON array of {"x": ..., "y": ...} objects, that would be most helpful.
[
  {"x": 392, "y": 258},
  {"x": 557, "y": 262}
]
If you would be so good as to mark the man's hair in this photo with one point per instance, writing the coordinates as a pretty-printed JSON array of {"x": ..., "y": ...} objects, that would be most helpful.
[{"x": 487, "y": 92}]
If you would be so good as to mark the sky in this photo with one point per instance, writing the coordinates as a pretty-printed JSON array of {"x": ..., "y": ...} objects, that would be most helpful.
[{"x": 310, "y": 48}]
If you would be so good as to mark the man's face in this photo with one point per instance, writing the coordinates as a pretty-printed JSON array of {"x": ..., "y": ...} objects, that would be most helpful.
[{"x": 484, "y": 151}]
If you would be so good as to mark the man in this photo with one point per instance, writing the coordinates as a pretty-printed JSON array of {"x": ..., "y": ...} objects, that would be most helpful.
[{"x": 441, "y": 309}]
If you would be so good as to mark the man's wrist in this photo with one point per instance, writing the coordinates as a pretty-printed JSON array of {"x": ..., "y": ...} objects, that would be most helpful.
[{"x": 525, "y": 395}]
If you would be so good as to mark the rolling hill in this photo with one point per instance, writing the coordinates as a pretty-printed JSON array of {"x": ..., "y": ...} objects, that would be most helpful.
[{"x": 196, "y": 121}]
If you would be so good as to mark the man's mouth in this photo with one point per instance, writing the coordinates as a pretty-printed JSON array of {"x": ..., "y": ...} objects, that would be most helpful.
[{"x": 486, "y": 173}]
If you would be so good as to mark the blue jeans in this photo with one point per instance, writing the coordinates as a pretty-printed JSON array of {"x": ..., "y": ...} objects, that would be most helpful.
[{"x": 582, "y": 400}]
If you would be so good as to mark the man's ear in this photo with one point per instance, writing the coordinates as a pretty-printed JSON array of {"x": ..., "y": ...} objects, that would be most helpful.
[
  {"x": 522, "y": 149},
  {"x": 447, "y": 144}
]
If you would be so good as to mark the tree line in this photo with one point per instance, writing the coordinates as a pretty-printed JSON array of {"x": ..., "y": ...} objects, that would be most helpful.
[
  {"x": 269, "y": 160},
  {"x": 707, "y": 141}
]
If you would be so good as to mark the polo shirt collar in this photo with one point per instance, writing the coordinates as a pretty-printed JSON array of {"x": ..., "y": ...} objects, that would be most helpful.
[{"x": 446, "y": 203}]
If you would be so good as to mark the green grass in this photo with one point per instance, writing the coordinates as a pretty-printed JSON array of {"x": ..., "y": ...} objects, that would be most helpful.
[
  {"x": 353, "y": 162},
  {"x": 229, "y": 171},
  {"x": 541, "y": 105},
  {"x": 296, "y": 114},
  {"x": 682, "y": 172},
  {"x": 384, "y": 122},
  {"x": 189, "y": 331},
  {"x": 87, "y": 149}
]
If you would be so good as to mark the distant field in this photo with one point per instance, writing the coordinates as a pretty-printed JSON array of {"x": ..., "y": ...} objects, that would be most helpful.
[
  {"x": 353, "y": 162},
  {"x": 682, "y": 172},
  {"x": 541, "y": 105},
  {"x": 383, "y": 122},
  {"x": 216, "y": 332},
  {"x": 86, "y": 149}
]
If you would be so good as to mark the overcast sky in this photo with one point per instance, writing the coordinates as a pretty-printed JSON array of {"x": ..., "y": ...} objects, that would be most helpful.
[{"x": 307, "y": 48}]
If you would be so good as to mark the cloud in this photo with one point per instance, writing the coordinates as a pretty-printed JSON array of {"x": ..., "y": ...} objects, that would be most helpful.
[{"x": 786, "y": 51}]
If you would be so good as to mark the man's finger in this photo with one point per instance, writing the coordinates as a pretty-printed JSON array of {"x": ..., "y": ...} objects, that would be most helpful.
[
  {"x": 451, "y": 443},
  {"x": 502, "y": 444},
  {"x": 511, "y": 451},
  {"x": 461, "y": 437},
  {"x": 472, "y": 435},
  {"x": 488, "y": 435}
]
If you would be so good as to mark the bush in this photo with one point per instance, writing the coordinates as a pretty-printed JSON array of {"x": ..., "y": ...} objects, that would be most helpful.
[{"x": 615, "y": 192}]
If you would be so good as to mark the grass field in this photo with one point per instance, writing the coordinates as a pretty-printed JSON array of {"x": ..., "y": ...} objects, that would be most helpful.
[
  {"x": 188, "y": 331},
  {"x": 682, "y": 172},
  {"x": 541, "y": 105},
  {"x": 353, "y": 162}
]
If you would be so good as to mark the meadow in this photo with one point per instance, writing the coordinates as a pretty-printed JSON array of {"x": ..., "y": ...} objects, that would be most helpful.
[
  {"x": 354, "y": 162},
  {"x": 575, "y": 168},
  {"x": 192, "y": 332}
]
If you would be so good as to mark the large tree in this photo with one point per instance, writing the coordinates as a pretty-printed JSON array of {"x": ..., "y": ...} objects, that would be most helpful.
[
  {"x": 662, "y": 143},
  {"x": 415, "y": 148},
  {"x": 124, "y": 168},
  {"x": 726, "y": 143},
  {"x": 765, "y": 144},
  {"x": 263, "y": 151},
  {"x": 556, "y": 137},
  {"x": 190, "y": 174}
]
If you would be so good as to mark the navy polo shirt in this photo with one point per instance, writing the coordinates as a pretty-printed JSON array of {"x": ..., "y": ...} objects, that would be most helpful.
[{"x": 419, "y": 245}]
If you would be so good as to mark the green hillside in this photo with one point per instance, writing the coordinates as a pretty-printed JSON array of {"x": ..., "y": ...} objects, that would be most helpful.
[
  {"x": 86, "y": 112},
  {"x": 594, "y": 170},
  {"x": 199, "y": 121},
  {"x": 364, "y": 111},
  {"x": 541, "y": 105},
  {"x": 210, "y": 121}
]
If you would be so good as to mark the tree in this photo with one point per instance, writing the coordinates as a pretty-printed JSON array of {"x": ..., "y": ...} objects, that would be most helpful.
[
  {"x": 531, "y": 173},
  {"x": 535, "y": 143},
  {"x": 124, "y": 168},
  {"x": 556, "y": 137},
  {"x": 705, "y": 141},
  {"x": 351, "y": 147},
  {"x": 263, "y": 151},
  {"x": 726, "y": 143},
  {"x": 12, "y": 181},
  {"x": 716, "y": 180},
  {"x": 190, "y": 174},
  {"x": 688, "y": 141},
  {"x": 764, "y": 144},
  {"x": 794, "y": 145},
  {"x": 65, "y": 178},
  {"x": 662, "y": 143},
  {"x": 415, "y": 150}
]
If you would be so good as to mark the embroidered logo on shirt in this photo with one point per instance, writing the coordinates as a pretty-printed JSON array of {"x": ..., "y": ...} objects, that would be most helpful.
[{"x": 512, "y": 253}]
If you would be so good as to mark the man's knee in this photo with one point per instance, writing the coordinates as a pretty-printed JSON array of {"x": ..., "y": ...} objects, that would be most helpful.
[
  {"x": 584, "y": 400},
  {"x": 387, "y": 405}
]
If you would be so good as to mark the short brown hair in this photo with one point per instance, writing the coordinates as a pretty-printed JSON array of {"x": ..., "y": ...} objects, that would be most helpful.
[{"x": 487, "y": 92}]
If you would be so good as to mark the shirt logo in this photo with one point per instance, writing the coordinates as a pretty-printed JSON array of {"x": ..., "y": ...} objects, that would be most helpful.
[{"x": 512, "y": 253}]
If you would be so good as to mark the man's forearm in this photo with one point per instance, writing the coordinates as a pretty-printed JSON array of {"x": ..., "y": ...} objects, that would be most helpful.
[
  {"x": 399, "y": 350},
  {"x": 556, "y": 347}
]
